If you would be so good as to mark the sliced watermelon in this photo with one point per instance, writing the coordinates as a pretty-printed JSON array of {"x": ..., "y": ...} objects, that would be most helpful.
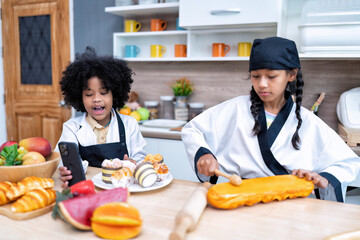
[{"x": 78, "y": 211}]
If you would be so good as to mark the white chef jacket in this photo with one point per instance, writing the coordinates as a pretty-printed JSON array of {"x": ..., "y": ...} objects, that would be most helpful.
[
  {"x": 225, "y": 131},
  {"x": 78, "y": 130}
]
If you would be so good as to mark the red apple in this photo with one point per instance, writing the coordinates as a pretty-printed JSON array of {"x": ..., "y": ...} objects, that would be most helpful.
[
  {"x": 37, "y": 144},
  {"x": 8, "y": 143}
]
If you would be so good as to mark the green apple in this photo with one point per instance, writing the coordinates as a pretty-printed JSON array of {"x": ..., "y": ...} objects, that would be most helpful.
[{"x": 144, "y": 113}]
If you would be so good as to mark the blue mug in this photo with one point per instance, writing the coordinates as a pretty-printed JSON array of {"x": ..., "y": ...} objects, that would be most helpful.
[
  {"x": 177, "y": 25},
  {"x": 131, "y": 51}
]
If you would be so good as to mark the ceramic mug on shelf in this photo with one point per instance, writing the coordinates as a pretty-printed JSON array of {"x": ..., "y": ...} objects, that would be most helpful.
[
  {"x": 220, "y": 49},
  {"x": 157, "y": 24},
  {"x": 177, "y": 25},
  {"x": 132, "y": 26},
  {"x": 180, "y": 50},
  {"x": 157, "y": 50},
  {"x": 131, "y": 51},
  {"x": 244, "y": 49}
]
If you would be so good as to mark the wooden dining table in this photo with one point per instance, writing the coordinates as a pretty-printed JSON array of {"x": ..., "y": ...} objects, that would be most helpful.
[{"x": 301, "y": 218}]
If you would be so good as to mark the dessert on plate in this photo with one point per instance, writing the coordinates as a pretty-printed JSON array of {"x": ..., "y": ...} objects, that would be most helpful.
[
  {"x": 145, "y": 174},
  {"x": 124, "y": 177},
  {"x": 161, "y": 170},
  {"x": 157, "y": 158},
  {"x": 108, "y": 167}
]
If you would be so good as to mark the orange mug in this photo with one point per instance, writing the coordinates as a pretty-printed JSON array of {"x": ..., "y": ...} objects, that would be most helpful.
[
  {"x": 220, "y": 49},
  {"x": 180, "y": 50},
  {"x": 158, "y": 24}
]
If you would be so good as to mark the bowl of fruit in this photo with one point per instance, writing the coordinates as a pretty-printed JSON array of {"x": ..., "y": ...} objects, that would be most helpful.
[{"x": 30, "y": 157}]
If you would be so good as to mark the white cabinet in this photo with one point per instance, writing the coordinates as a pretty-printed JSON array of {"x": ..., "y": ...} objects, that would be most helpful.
[
  {"x": 199, "y": 42},
  {"x": 174, "y": 155},
  {"x": 210, "y": 21},
  {"x": 205, "y": 14},
  {"x": 144, "y": 10}
]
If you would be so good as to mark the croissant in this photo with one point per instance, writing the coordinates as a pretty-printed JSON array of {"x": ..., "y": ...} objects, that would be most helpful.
[
  {"x": 35, "y": 199},
  {"x": 4, "y": 187},
  {"x": 28, "y": 184}
]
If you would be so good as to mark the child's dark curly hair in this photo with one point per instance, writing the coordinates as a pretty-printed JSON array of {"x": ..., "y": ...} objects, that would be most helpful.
[{"x": 114, "y": 74}]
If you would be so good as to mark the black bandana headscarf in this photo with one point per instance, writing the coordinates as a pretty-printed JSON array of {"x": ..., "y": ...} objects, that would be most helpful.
[{"x": 274, "y": 53}]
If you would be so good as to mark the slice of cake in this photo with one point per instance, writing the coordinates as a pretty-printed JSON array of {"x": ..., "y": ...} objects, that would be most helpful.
[
  {"x": 145, "y": 174},
  {"x": 108, "y": 167}
]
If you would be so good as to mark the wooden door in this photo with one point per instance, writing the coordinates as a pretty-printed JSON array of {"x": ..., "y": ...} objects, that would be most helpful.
[{"x": 36, "y": 51}]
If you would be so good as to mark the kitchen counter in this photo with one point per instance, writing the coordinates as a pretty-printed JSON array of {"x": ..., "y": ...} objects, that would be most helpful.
[
  {"x": 301, "y": 218},
  {"x": 165, "y": 133}
]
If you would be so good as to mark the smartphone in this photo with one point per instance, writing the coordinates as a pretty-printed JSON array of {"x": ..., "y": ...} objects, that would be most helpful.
[{"x": 71, "y": 159}]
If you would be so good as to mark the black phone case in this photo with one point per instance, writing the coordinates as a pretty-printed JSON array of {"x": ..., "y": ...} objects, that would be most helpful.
[{"x": 71, "y": 159}]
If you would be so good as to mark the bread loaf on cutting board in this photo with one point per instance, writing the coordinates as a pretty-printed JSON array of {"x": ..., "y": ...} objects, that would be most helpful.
[
  {"x": 35, "y": 199},
  {"x": 4, "y": 188},
  {"x": 265, "y": 189},
  {"x": 28, "y": 184}
]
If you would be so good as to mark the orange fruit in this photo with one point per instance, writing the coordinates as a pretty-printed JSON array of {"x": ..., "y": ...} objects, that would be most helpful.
[{"x": 125, "y": 111}]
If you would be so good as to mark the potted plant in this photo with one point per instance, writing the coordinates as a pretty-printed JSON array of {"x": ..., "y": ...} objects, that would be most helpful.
[{"x": 182, "y": 88}]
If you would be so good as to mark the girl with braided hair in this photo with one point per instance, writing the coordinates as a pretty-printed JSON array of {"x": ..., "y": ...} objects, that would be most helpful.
[
  {"x": 269, "y": 132},
  {"x": 96, "y": 86}
]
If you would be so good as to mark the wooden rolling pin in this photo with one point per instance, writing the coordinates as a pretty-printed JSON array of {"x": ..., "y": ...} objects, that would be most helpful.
[
  {"x": 188, "y": 217},
  {"x": 234, "y": 179}
]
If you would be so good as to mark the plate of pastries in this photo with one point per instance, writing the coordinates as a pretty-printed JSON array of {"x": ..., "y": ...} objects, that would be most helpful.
[
  {"x": 30, "y": 197},
  {"x": 149, "y": 174}
]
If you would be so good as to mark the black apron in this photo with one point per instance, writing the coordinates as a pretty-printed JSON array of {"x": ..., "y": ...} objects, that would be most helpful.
[{"x": 95, "y": 154}]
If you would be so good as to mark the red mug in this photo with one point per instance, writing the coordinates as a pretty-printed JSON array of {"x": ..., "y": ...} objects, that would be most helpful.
[{"x": 220, "y": 49}]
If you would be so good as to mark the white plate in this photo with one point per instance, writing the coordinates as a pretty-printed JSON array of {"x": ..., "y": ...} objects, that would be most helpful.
[
  {"x": 164, "y": 123},
  {"x": 97, "y": 180}
]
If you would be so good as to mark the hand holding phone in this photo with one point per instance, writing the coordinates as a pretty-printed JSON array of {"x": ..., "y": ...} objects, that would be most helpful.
[{"x": 71, "y": 159}]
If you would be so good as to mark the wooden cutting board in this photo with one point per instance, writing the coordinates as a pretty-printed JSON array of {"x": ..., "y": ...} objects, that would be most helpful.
[{"x": 5, "y": 210}]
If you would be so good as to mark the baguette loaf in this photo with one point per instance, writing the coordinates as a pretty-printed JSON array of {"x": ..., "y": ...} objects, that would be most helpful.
[
  {"x": 4, "y": 188},
  {"x": 28, "y": 184},
  {"x": 35, "y": 199}
]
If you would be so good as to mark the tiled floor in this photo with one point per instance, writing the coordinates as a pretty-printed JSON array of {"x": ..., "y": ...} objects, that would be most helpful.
[{"x": 353, "y": 196}]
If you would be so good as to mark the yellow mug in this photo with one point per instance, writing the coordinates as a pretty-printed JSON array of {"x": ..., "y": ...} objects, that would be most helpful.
[
  {"x": 132, "y": 26},
  {"x": 244, "y": 49},
  {"x": 157, "y": 50}
]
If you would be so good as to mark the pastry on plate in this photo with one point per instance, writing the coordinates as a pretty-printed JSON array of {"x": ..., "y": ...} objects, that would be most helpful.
[
  {"x": 108, "y": 167},
  {"x": 157, "y": 158},
  {"x": 124, "y": 177},
  {"x": 162, "y": 171},
  {"x": 145, "y": 174}
]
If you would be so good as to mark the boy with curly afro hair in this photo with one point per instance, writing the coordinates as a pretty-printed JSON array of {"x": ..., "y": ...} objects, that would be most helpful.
[{"x": 96, "y": 86}]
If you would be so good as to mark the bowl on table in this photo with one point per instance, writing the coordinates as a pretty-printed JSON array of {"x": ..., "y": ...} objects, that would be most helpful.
[{"x": 45, "y": 169}]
